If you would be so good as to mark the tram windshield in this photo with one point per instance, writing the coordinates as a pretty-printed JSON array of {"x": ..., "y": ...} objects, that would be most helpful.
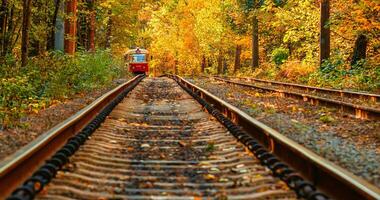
[{"x": 137, "y": 58}]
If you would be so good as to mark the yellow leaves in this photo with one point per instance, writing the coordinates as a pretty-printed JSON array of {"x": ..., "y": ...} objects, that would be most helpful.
[
  {"x": 107, "y": 4},
  {"x": 209, "y": 177},
  {"x": 144, "y": 15}
]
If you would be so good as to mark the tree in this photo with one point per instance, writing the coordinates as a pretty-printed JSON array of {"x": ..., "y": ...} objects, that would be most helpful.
[
  {"x": 59, "y": 31},
  {"x": 27, "y": 6},
  {"x": 220, "y": 62},
  {"x": 360, "y": 49},
  {"x": 251, "y": 7},
  {"x": 324, "y": 31},
  {"x": 51, "y": 37},
  {"x": 237, "y": 58},
  {"x": 3, "y": 21},
  {"x": 71, "y": 26},
  {"x": 255, "y": 42},
  {"x": 91, "y": 34},
  {"x": 203, "y": 64},
  {"x": 109, "y": 29}
]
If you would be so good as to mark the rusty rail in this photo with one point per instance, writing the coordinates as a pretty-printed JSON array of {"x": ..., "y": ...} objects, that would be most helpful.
[
  {"x": 359, "y": 111},
  {"x": 327, "y": 176},
  {"x": 15, "y": 169},
  {"x": 342, "y": 93}
]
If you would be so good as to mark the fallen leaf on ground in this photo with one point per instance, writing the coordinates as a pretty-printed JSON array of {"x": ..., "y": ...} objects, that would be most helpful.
[{"x": 182, "y": 143}]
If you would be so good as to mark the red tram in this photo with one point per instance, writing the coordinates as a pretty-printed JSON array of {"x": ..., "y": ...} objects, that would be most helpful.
[{"x": 137, "y": 61}]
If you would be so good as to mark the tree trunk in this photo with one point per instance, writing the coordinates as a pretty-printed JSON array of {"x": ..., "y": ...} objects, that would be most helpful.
[
  {"x": 51, "y": 38},
  {"x": 35, "y": 43},
  {"x": 237, "y": 58},
  {"x": 224, "y": 66},
  {"x": 360, "y": 49},
  {"x": 324, "y": 42},
  {"x": 3, "y": 25},
  {"x": 3, "y": 15},
  {"x": 176, "y": 67},
  {"x": 91, "y": 34},
  {"x": 203, "y": 64},
  {"x": 9, "y": 43},
  {"x": 82, "y": 31},
  {"x": 59, "y": 33},
  {"x": 109, "y": 30},
  {"x": 26, "y": 6},
  {"x": 71, "y": 27},
  {"x": 209, "y": 62},
  {"x": 220, "y": 62},
  {"x": 255, "y": 42}
]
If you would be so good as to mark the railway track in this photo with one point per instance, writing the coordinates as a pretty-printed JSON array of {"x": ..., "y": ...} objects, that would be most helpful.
[
  {"x": 155, "y": 141},
  {"x": 361, "y": 105}
]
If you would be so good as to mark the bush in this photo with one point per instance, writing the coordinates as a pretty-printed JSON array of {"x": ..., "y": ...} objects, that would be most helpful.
[
  {"x": 52, "y": 77},
  {"x": 335, "y": 73},
  {"x": 294, "y": 71},
  {"x": 280, "y": 55}
]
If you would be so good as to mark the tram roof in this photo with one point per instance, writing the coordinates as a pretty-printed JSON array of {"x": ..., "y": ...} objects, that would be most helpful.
[{"x": 137, "y": 50}]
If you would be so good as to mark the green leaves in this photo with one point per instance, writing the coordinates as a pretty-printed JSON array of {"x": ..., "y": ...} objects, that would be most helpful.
[
  {"x": 53, "y": 77},
  {"x": 280, "y": 55}
]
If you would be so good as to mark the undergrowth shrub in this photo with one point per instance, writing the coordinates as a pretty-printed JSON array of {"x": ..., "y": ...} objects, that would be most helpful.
[
  {"x": 294, "y": 71},
  {"x": 336, "y": 73},
  {"x": 265, "y": 71},
  {"x": 52, "y": 77},
  {"x": 280, "y": 55}
]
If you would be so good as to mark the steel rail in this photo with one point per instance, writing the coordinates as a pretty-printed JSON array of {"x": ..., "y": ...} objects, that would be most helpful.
[
  {"x": 362, "y": 112},
  {"x": 325, "y": 175},
  {"x": 342, "y": 93},
  {"x": 16, "y": 168}
]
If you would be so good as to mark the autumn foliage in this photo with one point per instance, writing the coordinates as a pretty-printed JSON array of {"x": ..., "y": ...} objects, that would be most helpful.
[
  {"x": 192, "y": 37},
  {"x": 183, "y": 36}
]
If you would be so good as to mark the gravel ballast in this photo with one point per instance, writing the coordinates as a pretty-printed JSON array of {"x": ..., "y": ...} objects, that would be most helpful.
[{"x": 352, "y": 143}]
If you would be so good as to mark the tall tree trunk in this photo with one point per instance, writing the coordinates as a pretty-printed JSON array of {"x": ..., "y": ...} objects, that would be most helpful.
[
  {"x": 109, "y": 30},
  {"x": 324, "y": 42},
  {"x": 51, "y": 38},
  {"x": 59, "y": 33},
  {"x": 220, "y": 62},
  {"x": 35, "y": 43},
  {"x": 203, "y": 64},
  {"x": 224, "y": 66},
  {"x": 3, "y": 25},
  {"x": 3, "y": 15},
  {"x": 26, "y": 6},
  {"x": 255, "y": 42},
  {"x": 176, "y": 67},
  {"x": 71, "y": 27},
  {"x": 91, "y": 34},
  {"x": 82, "y": 26},
  {"x": 237, "y": 58},
  {"x": 360, "y": 49},
  {"x": 9, "y": 43},
  {"x": 209, "y": 62}
]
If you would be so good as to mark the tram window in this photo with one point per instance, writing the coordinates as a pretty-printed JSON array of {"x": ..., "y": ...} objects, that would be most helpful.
[{"x": 137, "y": 58}]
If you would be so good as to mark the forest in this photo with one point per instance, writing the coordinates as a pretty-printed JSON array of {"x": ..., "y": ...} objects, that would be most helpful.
[{"x": 50, "y": 50}]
